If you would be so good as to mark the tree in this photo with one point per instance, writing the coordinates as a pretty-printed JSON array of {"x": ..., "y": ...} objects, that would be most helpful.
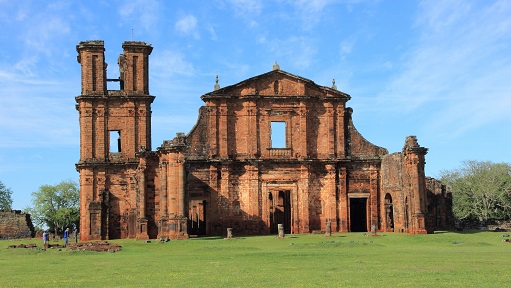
[
  {"x": 5, "y": 197},
  {"x": 481, "y": 191},
  {"x": 56, "y": 207}
]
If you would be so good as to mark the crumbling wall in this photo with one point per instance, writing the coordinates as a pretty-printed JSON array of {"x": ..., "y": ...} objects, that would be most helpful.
[
  {"x": 15, "y": 224},
  {"x": 392, "y": 191},
  {"x": 439, "y": 203}
]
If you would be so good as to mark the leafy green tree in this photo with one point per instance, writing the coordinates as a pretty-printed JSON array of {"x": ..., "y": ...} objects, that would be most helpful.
[
  {"x": 481, "y": 191},
  {"x": 56, "y": 207},
  {"x": 5, "y": 197}
]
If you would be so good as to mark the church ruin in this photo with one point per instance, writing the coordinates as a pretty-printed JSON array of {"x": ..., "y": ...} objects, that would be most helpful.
[{"x": 230, "y": 170}]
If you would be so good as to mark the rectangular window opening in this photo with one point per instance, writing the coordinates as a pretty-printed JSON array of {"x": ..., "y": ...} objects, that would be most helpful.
[
  {"x": 115, "y": 141},
  {"x": 278, "y": 134}
]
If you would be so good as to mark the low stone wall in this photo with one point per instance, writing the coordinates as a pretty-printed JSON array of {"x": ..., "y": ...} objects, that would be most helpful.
[
  {"x": 495, "y": 225},
  {"x": 15, "y": 224}
]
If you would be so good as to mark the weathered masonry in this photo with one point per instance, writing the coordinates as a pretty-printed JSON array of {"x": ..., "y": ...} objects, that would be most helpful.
[
  {"x": 273, "y": 149},
  {"x": 15, "y": 224}
]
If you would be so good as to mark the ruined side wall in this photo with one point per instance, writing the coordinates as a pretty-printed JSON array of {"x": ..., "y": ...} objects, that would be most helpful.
[
  {"x": 358, "y": 146},
  {"x": 393, "y": 183},
  {"x": 404, "y": 188},
  {"x": 122, "y": 202},
  {"x": 199, "y": 136},
  {"x": 15, "y": 224},
  {"x": 439, "y": 203},
  {"x": 152, "y": 196}
]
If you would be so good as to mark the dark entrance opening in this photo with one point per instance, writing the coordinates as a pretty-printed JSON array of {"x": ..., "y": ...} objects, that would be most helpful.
[
  {"x": 152, "y": 228},
  {"x": 197, "y": 218},
  {"x": 280, "y": 210},
  {"x": 114, "y": 219},
  {"x": 358, "y": 214}
]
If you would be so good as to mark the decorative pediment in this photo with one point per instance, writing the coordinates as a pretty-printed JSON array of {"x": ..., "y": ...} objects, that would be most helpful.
[{"x": 276, "y": 83}]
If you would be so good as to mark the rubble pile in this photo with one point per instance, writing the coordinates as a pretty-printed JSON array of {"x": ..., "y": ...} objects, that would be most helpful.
[{"x": 101, "y": 246}]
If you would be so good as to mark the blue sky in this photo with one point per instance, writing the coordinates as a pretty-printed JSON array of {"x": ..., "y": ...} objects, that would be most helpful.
[{"x": 440, "y": 70}]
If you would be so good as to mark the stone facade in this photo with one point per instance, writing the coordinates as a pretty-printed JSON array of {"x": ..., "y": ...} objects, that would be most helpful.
[
  {"x": 15, "y": 224},
  {"x": 230, "y": 171}
]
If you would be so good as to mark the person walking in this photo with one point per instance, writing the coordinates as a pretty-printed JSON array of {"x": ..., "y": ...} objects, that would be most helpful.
[{"x": 66, "y": 236}]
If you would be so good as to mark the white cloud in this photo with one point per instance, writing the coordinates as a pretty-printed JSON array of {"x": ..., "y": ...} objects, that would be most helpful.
[
  {"x": 167, "y": 63},
  {"x": 310, "y": 11},
  {"x": 42, "y": 129},
  {"x": 145, "y": 11},
  {"x": 247, "y": 7},
  {"x": 298, "y": 52},
  {"x": 212, "y": 33},
  {"x": 188, "y": 26},
  {"x": 247, "y": 10},
  {"x": 346, "y": 47},
  {"x": 461, "y": 64},
  {"x": 26, "y": 67},
  {"x": 38, "y": 28}
]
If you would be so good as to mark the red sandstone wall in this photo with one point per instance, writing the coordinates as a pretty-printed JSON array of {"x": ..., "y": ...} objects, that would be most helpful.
[
  {"x": 225, "y": 172},
  {"x": 439, "y": 203},
  {"x": 393, "y": 183},
  {"x": 15, "y": 224}
]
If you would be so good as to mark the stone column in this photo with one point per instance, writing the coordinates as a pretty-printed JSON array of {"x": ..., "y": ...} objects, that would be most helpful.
[
  {"x": 223, "y": 134},
  {"x": 374, "y": 194},
  {"x": 303, "y": 199},
  {"x": 302, "y": 149},
  {"x": 330, "y": 201},
  {"x": 281, "y": 230},
  {"x": 163, "y": 189},
  {"x": 331, "y": 135},
  {"x": 142, "y": 220},
  {"x": 340, "y": 139},
  {"x": 162, "y": 222},
  {"x": 343, "y": 200},
  {"x": 141, "y": 189},
  {"x": 328, "y": 231},
  {"x": 181, "y": 186}
]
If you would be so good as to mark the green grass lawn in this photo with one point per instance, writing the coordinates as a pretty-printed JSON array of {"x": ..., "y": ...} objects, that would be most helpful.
[{"x": 470, "y": 259}]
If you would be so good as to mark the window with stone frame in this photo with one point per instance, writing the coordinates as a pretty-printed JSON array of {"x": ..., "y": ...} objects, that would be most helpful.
[
  {"x": 278, "y": 134},
  {"x": 115, "y": 141}
]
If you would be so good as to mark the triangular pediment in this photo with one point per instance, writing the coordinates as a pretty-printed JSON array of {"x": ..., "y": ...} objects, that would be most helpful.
[{"x": 277, "y": 83}]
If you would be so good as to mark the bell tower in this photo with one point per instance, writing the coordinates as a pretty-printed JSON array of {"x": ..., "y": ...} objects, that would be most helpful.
[{"x": 114, "y": 126}]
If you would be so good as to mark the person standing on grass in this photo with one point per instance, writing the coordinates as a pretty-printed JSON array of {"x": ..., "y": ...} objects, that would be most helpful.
[
  {"x": 75, "y": 234},
  {"x": 45, "y": 239},
  {"x": 66, "y": 236}
]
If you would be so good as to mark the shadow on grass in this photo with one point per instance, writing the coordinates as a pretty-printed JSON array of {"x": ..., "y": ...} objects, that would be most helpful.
[
  {"x": 207, "y": 238},
  {"x": 476, "y": 231}
]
